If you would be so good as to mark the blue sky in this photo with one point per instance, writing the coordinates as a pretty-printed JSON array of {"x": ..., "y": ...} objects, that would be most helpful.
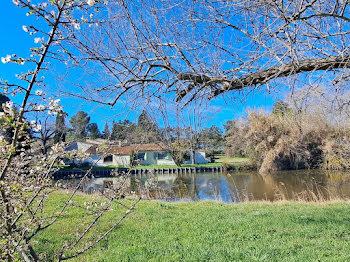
[{"x": 15, "y": 41}]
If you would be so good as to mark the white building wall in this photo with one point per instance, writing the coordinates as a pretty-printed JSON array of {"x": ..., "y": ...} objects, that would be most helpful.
[
  {"x": 149, "y": 159},
  {"x": 95, "y": 159},
  {"x": 169, "y": 161},
  {"x": 118, "y": 160},
  {"x": 80, "y": 146},
  {"x": 121, "y": 160},
  {"x": 199, "y": 158}
]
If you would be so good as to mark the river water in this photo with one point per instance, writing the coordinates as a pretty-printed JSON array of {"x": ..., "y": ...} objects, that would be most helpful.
[{"x": 305, "y": 185}]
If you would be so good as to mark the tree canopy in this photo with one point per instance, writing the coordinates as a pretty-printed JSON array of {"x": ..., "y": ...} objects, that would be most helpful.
[
  {"x": 93, "y": 131},
  {"x": 79, "y": 123},
  {"x": 201, "y": 49}
]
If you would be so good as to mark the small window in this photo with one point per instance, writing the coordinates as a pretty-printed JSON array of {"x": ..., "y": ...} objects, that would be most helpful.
[
  {"x": 140, "y": 156},
  {"x": 108, "y": 159},
  {"x": 163, "y": 155}
]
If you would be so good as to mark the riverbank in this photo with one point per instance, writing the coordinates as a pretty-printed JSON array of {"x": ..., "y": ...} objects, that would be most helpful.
[
  {"x": 222, "y": 164},
  {"x": 200, "y": 231}
]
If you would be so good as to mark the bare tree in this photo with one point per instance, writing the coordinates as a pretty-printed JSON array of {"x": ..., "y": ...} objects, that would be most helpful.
[
  {"x": 182, "y": 127},
  {"x": 184, "y": 50},
  {"x": 46, "y": 131},
  {"x": 201, "y": 49},
  {"x": 25, "y": 174}
]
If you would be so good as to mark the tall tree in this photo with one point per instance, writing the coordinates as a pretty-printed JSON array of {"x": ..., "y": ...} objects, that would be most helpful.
[
  {"x": 93, "y": 131},
  {"x": 106, "y": 133},
  {"x": 211, "y": 138},
  {"x": 146, "y": 130},
  {"x": 123, "y": 130},
  {"x": 46, "y": 129},
  {"x": 60, "y": 127},
  {"x": 235, "y": 141},
  {"x": 114, "y": 131},
  {"x": 79, "y": 124},
  {"x": 144, "y": 121},
  {"x": 280, "y": 108}
]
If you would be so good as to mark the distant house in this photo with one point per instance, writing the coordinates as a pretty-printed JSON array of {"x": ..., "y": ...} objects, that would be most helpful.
[
  {"x": 199, "y": 158},
  {"x": 79, "y": 146},
  {"x": 120, "y": 154},
  {"x": 145, "y": 154}
]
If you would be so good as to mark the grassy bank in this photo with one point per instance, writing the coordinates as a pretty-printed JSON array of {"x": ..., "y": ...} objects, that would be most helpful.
[
  {"x": 233, "y": 161},
  {"x": 211, "y": 231}
]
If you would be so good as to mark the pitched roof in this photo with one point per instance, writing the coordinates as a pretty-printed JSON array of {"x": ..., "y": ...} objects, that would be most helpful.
[{"x": 124, "y": 150}]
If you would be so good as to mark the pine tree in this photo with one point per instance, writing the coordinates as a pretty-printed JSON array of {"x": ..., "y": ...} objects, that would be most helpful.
[
  {"x": 93, "y": 131},
  {"x": 106, "y": 133},
  {"x": 146, "y": 130},
  {"x": 79, "y": 124},
  {"x": 60, "y": 127}
]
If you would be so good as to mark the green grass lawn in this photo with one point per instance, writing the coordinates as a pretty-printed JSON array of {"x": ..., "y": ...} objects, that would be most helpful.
[
  {"x": 212, "y": 231},
  {"x": 233, "y": 161}
]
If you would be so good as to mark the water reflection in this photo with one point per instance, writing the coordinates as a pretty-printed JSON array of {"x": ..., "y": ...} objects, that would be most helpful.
[{"x": 236, "y": 187}]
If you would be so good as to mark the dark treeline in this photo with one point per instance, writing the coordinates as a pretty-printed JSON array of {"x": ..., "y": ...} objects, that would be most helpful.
[
  {"x": 49, "y": 130},
  {"x": 144, "y": 131}
]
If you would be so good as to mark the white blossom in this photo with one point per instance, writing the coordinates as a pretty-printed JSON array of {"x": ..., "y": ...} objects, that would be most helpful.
[
  {"x": 37, "y": 128},
  {"x": 40, "y": 107},
  {"x": 6, "y": 59},
  {"x": 54, "y": 107},
  {"x": 38, "y": 92},
  {"x": 91, "y": 2},
  {"x": 9, "y": 104},
  {"x": 44, "y": 5},
  {"x": 15, "y": 2},
  {"x": 21, "y": 61},
  {"x": 25, "y": 28},
  {"x": 37, "y": 40},
  {"x": 76, "y": 26}
]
